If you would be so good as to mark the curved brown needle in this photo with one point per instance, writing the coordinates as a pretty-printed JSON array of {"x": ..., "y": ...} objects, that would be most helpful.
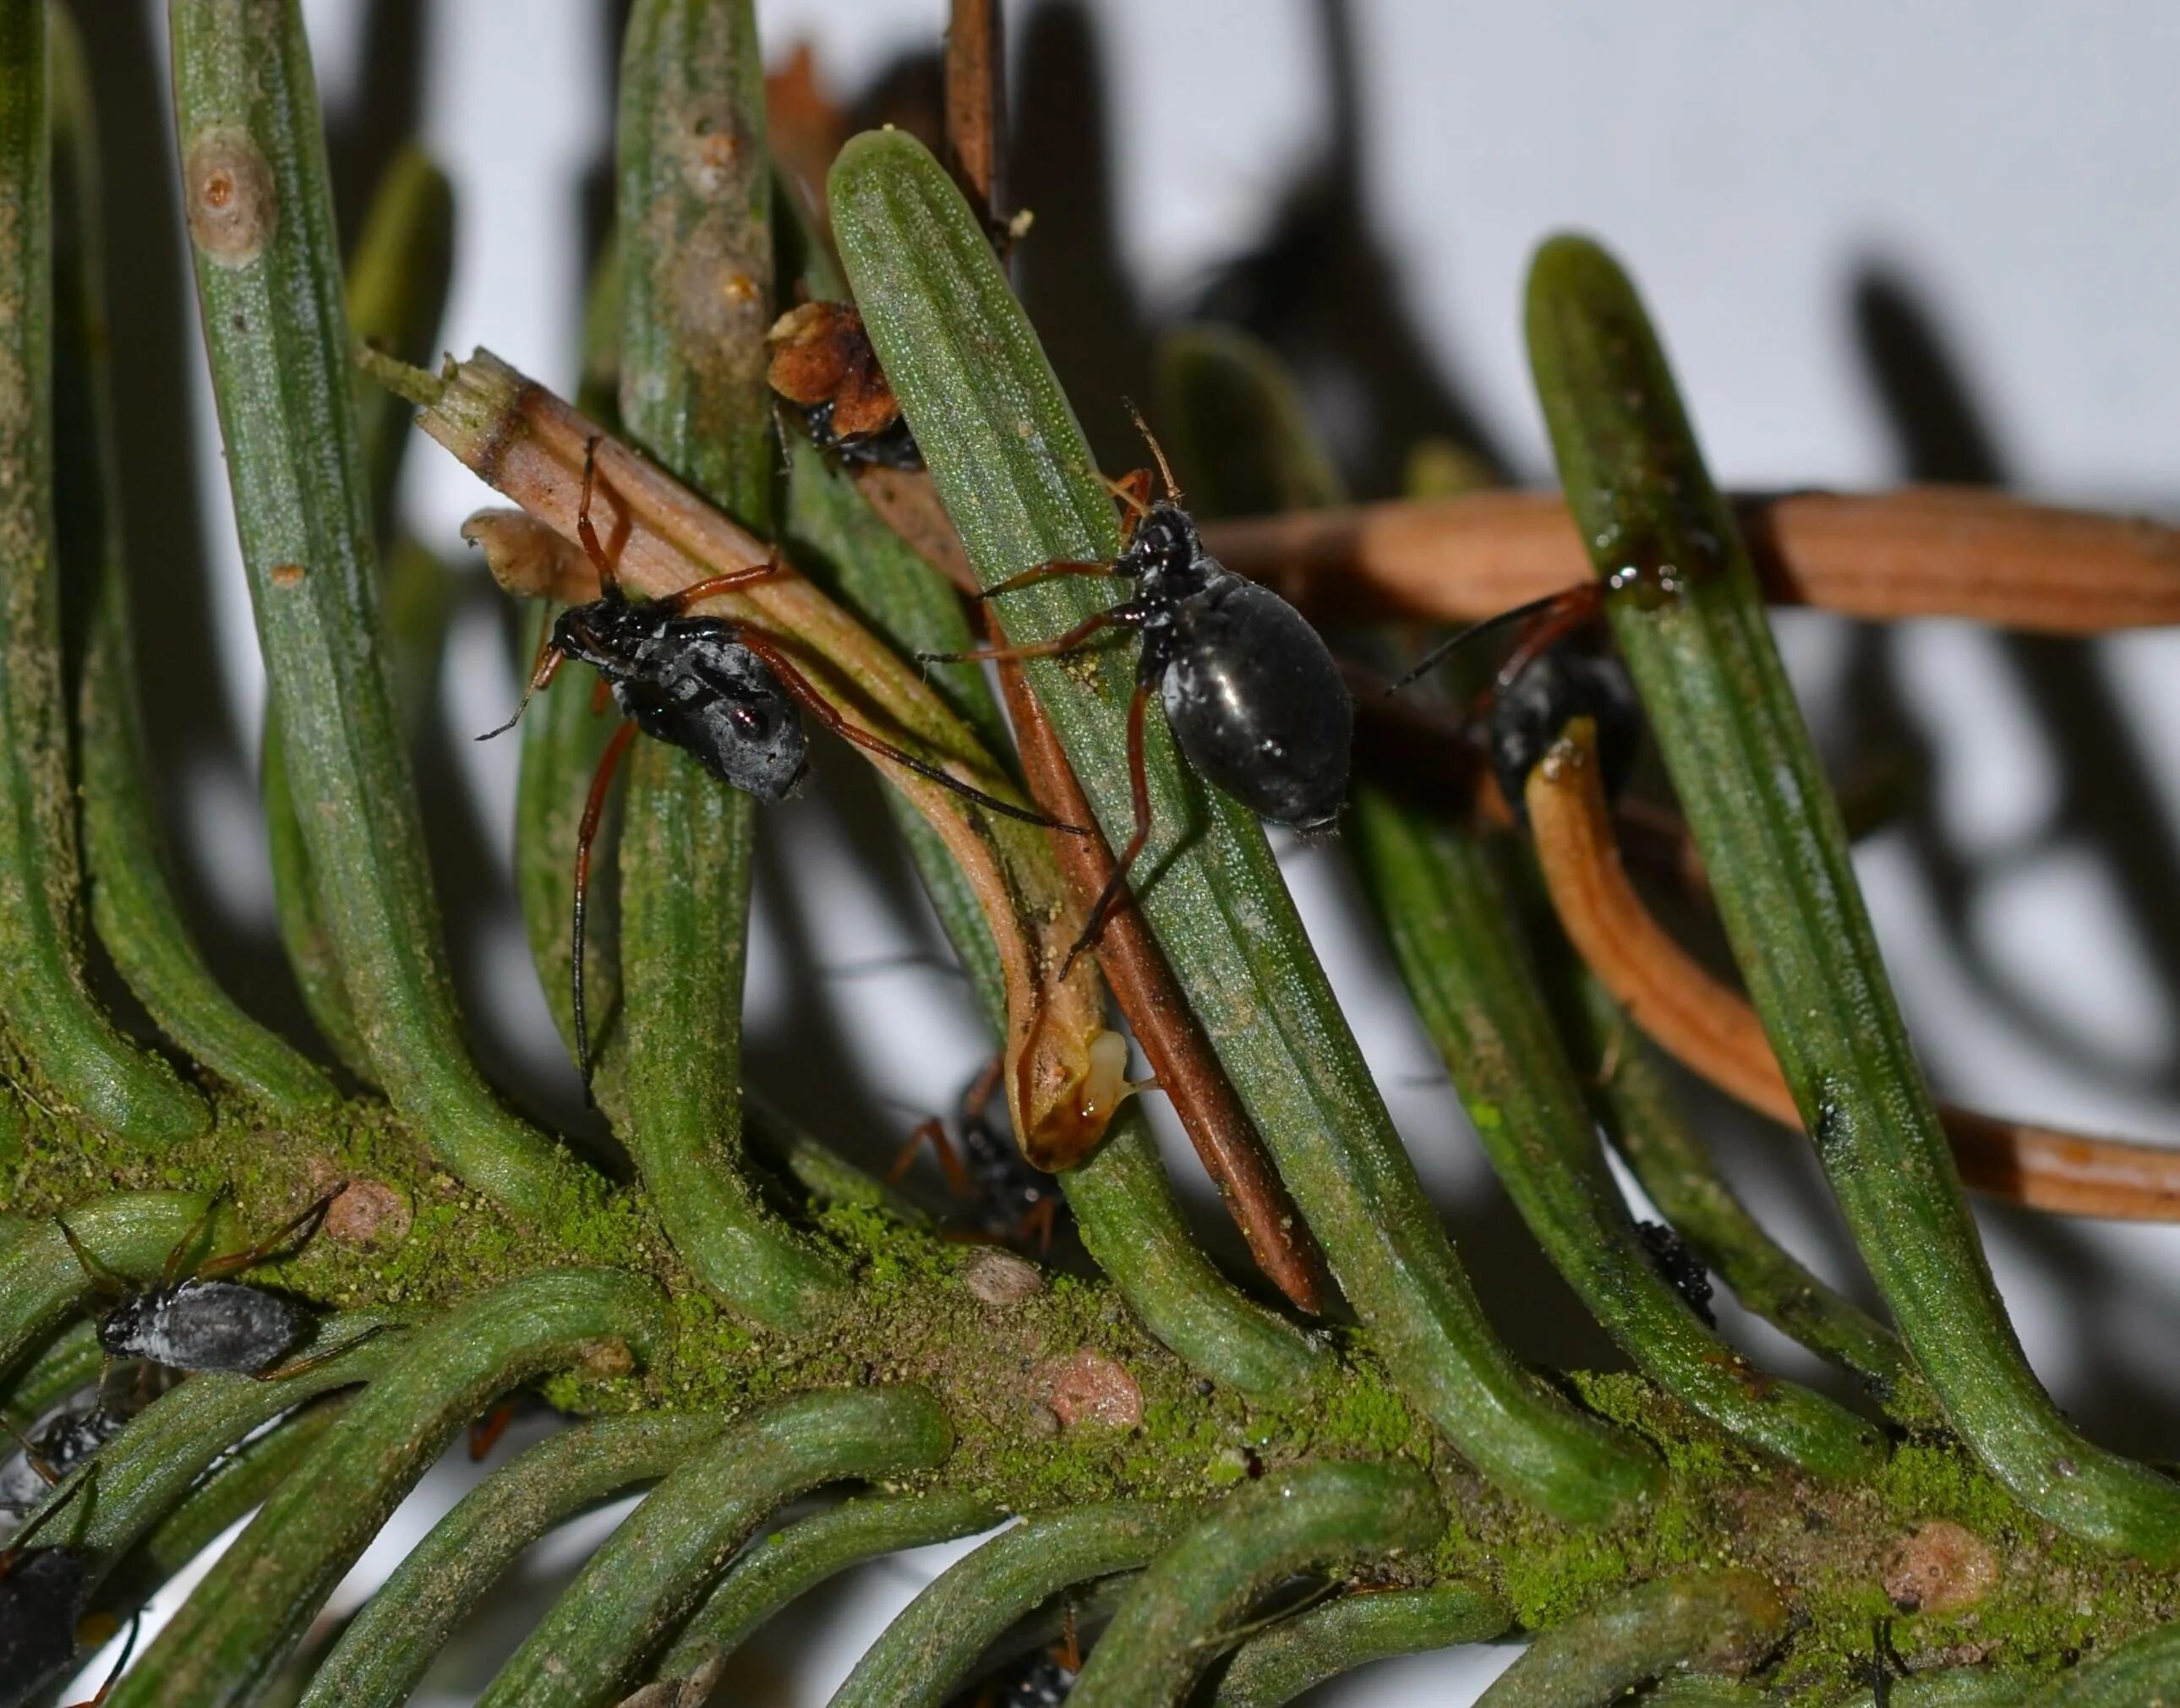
[
  {"x": 1918, "y": 551},
  {"x": 1711, "y": 1029},
  {"x": 1143, "y": 985}
]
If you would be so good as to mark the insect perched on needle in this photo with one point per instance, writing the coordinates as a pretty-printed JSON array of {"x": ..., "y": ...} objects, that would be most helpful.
[
  {"x": 1555, "y": 687},
  {"x": 193, "y": 1320},
  {"x": 723, "y": 691},
  {"x": 1251, "y": 692}
]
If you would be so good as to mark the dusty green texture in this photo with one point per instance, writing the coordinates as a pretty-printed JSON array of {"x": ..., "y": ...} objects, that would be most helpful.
[
  {"x": 42, "y": 1284},
  {"x": 1313, "y": 1518},
  {"x": 1451, "y": 930},
  {"x": 392, "y": 1641},
  {"x": 52, "y": 1026},
  {"x": 639, "y": 1585},
  {"x": 133, "y": 906},
  {"x": 932, "y": 1645},
  {"x": 799, "y": 1556},
  {"x": 1297, "y": 1654},
  {"x": 1690, "y": 621},
  {"x": 695, "y": 257},
  {"x": 261, "y": 1595},
  {"x": 1017, "y": 478},
  {"x": 1712, "y": 1621},
  {"x": 269, "y": 285},
  {"x": 1636, "y": 1109}
]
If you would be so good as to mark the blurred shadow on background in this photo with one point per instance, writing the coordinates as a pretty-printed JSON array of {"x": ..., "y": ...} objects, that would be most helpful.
[
  {"x": 1322, "y": 289},
  {"x": 380, "y": 114},
  {"x": 2106, "y": 800},
  {"x": 2107, "y": 794}
]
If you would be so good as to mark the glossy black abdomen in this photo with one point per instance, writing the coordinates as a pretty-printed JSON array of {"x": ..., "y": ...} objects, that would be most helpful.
[{"x": 1257, "y": 706}]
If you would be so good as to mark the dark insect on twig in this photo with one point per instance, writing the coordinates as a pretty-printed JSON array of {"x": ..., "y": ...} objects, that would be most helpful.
[
  {"x": 823, "y": 362},
  {"x": 1251, "y": 692},
  {"x": 1015, "y": 1202},
  {"x": 723, "y": 691},
  {"x": 194, "y": 1321}
]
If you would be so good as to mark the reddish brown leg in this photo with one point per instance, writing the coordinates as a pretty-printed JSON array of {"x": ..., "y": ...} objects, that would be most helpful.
[
  {"x": 609, "y": 582},
  {"x": 1047, "y": 571},
  {"x": 104, "y": 1279},
  {"x": 680, "y": 602},
  {"x": 486, "y": 1432},
  {"x": 1069, "y": 642},
  {"x": 299, "y": 1366},
  {"x": 1037, "y": 1222},
  {"x": 593, "y": 810},
  {"x": 1139, "y": 797},
  {"x": 983, "y": 1088},
  {"x": 120, "y": 1665},
  {"x": 31, "y": 1456},
  {"x": 172, "y": 1270},
  {"x": 1133, "y": 490},
  {"x": 300, "y": 1231},
  {"x": 601, "y": 697},
  {"x": 933, "y": 1133},
  {"x": 796, "y": 684}
]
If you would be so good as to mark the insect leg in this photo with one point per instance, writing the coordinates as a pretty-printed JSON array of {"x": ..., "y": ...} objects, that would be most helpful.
[
  {"x": 1047, "y": 571},
  {"x": 300, "y": 1230},
  {"x": 486, "y": 1432},
  {"x": 609, "y": 582},
  {"x": 593, "y": 810},
  {"x": 120, "y": 1665},
  {"x": 799, "y": 685},
  {"x": 1038, "y": 1221},
  {"x": 1117, "y": 617},
  {"x": 104, "y": 1279},
  {"x": 679, "y": 603},
  {"x": 175, "y": 1267},
  {"x": 1139, "y": 799},
  {"x": 933, "y": 1133},
  {"x": 31, "y": 1456},
  {"x": 302, "y": 1364}
]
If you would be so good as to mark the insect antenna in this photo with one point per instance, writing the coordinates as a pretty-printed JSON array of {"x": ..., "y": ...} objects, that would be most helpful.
[
  {"x": 543, "y": 670},
  {"x": 120, "y": 1665},
  {"x": 1565, "y": 609},
  {"x": 1157, "y": 454}
]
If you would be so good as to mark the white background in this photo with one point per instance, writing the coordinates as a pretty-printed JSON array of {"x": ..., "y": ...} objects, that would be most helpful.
[{"x": 2005, "y": 172}]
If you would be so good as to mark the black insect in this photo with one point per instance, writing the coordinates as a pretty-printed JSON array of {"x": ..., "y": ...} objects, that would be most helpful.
[
  {"x": 63, "y": 1439},
  {"x": 1251, "y": 691},
  {"x": 892, "y": 447},
  {"x": 1671, "y": 1256},
  {"x": 194, "y": 1321},
  {"x": 1015, "y": 1203},
  {"x": 43, "y": 1592},
  {"x": 1045, "y": 1683},
  {"x": 1557, "y": 686},
  {"x": 722, "y": 690}
]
